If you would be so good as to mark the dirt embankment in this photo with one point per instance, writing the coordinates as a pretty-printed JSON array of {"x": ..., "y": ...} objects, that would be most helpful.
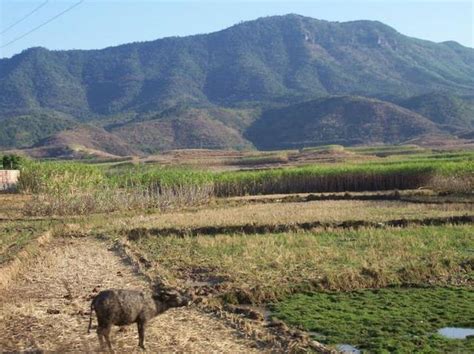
[
  {"x": 137, "y": 233},
  {"x": 47, "y": 307}
]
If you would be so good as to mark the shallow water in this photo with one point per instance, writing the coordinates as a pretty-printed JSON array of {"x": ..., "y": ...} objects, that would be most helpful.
[
  {"x": 347, "y": 348},
  {"x": 317, "y": 335},
  {"x": 456, "y": 332}
]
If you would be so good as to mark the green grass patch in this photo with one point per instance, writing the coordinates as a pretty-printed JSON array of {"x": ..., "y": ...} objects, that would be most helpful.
[{"x": 385, "y": 320}]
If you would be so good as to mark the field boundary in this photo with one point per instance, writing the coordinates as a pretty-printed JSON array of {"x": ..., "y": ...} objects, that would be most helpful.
[
  {"x": 23, "y": 259},
  {"x": 351, "y": 197},
  {"x": 137, "y": 233}
]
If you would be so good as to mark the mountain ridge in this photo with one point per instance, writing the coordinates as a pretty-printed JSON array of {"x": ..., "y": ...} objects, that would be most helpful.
[{"x": 253, "y": 66}]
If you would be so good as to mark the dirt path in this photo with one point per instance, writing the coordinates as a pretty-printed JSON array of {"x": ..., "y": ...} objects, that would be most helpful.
[{"x": 47, "y": 308}]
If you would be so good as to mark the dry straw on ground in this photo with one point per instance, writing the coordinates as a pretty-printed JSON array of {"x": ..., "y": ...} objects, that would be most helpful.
[
  {"x": 23, "y": 260},
  {"x": 52, "y": 312},
  {"x": 291, "y": 213}
]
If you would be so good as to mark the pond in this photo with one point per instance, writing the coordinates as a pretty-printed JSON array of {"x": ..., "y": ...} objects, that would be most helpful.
[
  {"x": 456, "y": 332},
  {"x": 347, "y": 348}
]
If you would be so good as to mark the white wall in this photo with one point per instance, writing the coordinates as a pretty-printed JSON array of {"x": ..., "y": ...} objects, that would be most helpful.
[{"x": 8, "y": 179}]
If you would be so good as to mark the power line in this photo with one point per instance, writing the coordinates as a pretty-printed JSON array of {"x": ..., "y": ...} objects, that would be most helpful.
[
  {"x": 43, "y": 24},
  {"x": 24, "y": 17}
]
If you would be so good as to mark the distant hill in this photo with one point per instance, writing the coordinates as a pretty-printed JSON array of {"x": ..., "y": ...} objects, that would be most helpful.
[
  {"x": 26, "y": 130},
  {"x": 343, "y": 120},
  {"x": 86, "y": 138},
  {"x": 455, "y": 113},
  {"x": 186, "y": 128},
  {"x": 214, "y": 86}
]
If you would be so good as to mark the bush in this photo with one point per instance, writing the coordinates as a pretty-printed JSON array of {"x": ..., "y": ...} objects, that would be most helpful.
[{"x": 11, "y": 162}]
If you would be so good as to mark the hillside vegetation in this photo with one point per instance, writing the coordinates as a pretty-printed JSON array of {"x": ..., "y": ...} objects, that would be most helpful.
[
  {"x": 221, "y": 82},
  {"x": 451, "y": 111},
  {"x": 352, "y": 120}
]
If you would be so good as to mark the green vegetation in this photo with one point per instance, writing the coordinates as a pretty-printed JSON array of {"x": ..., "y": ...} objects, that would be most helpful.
[
  {"x": 442, "y": 156},
  {"x": 156, "y": 95},
  {"x": 389, "y": 150},
  {"x": 58, "y": 177},
  {"x": 157, "y": 177},
  {"x": 26, "y": 130},
  {"x": 345, "y": 177},
  {"x": 262, "y": 268},
  {"x": 262, "y": 159},
  {"x": 319, "y": 148},
  {"x": 101, "y": 187},
  {"x": 68, "y": 188},
  {"x": 11, "y": 162},
  {"x": 291, "y": 251},
  {"x": 443, "y": 109},
  {"x": 14, "y": 236},
  {"x": 384, "y": 320},
  {"x": 337, "y": 120}
]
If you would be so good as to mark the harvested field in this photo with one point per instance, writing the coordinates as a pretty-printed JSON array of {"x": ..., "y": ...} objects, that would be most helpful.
[
  {"x": 409, "y": 196},
  {"x": 11, "y": 206},
  {"x": 53, "y": 310},
  {"x": 293, "y": 213}
]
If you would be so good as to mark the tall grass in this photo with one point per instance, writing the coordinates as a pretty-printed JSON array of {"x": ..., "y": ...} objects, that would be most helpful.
[
  {"x": 272, "y": 158},
  {"x": 339, "y": 178},
  {"x": 58, "y": 177},
  {"x": 158, "y": 177},
  {"x": 77, "y": 188}
]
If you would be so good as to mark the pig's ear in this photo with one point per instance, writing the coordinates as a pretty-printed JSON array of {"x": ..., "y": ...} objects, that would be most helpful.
[
  {"x": 158, "y": 297},
  {"x": 164, "y": 296}
]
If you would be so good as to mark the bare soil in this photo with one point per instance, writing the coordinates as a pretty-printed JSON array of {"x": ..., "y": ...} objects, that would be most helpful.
[{"x": 47, "y": 308}]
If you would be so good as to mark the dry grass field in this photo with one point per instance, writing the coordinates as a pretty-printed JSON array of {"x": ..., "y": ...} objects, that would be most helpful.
[
  {"x": 291, "y": 213},
  {"x": 12, "y": 205}
]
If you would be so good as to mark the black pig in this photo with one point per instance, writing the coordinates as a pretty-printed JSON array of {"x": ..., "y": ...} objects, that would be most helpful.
[{"x": 123, "y": 307}]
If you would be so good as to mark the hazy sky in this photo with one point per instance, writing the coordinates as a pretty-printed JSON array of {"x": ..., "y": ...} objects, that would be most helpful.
[{"x": 98, "y": 24}]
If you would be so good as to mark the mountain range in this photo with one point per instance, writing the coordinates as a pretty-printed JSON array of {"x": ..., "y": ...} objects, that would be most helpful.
[{"x": 271, "y": 83}]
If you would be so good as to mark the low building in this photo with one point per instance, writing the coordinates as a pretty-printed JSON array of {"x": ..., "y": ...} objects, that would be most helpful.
[{"x": 8, "y": 180}]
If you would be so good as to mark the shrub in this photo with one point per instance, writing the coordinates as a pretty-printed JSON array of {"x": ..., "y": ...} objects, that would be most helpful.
[{"x": 11, "y": 162}]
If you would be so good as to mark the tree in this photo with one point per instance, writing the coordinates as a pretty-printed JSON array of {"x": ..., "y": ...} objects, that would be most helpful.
[{"x": 11, "y": 162}]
